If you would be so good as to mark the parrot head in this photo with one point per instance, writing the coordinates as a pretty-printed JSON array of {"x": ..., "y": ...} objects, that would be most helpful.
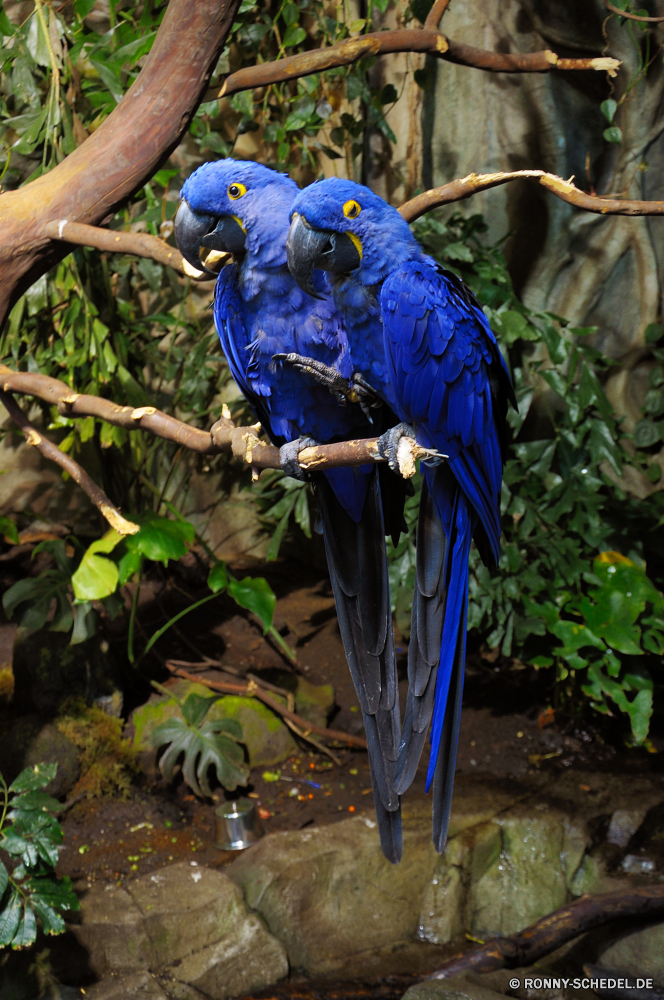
[
  {"x": 233, "y": 206},
  {"x": 342, "y": 227}
]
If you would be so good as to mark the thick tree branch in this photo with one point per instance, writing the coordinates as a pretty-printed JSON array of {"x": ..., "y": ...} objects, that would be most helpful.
[
  {"x": 435, "y": 15},
  {"x": 464, "y": 187},
  {"x": 79, "y": 475},
  {"x": 549, "y": 933},
  {"x": 97, "y": 178},
  {"x": 224, "y": 436},
  {"x": 403, "y": 40}
]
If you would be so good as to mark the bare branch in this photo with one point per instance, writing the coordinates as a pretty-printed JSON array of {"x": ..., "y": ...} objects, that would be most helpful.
[
  {"x": 631, "y": 17},
  {"x": 224, "y": 436},
  {"x": 464, "y": 187},
  {"x": 435, "y": 15},
  {"x": 402, "y": 40},
  {"x": 139, "y": 244},
  {"x": 255, "y": 690},
  {"x": 52, "y": 452},
  {"x": 549, "y": 933}
]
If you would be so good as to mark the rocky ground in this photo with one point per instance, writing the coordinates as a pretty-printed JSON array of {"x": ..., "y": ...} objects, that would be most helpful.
[{"x": 508, "y": 741}]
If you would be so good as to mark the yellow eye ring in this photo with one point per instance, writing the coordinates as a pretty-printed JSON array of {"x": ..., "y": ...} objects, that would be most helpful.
[
  {"x": 236, "y": 191},
  {"x": 352, "y": 209}
]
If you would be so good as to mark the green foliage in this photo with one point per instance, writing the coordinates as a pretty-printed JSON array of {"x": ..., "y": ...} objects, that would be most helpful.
[
  {"x": 563, "y": 505},
  {"x": 204, "y": 745},
  {"x": 29, "y": 890},
  {"x": 108, "y": 761}
]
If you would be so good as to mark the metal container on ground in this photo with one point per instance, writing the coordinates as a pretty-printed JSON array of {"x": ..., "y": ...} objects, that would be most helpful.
[{"x": 237, "y": 825}]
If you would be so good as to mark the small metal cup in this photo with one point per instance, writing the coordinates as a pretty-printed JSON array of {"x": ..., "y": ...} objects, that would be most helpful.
[{"x": 237, "y": 825}]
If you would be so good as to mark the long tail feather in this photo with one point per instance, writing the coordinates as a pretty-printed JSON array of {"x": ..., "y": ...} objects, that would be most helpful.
[
  {"x": 357, "y": 560},
  {"x": 425, "y": 634}
]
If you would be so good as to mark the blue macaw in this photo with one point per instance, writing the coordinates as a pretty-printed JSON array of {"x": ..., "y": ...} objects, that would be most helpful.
[
  {"x": 261, "y": 314},
  {"x": 419, "y": 337}
]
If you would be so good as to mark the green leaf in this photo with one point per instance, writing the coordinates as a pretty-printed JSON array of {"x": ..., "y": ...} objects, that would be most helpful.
[
  {"x": 97, "y": 577},
  {"x": 608, "y": 109},
  {"x": 161, "y": 539},
  {"x": 294, "y": 36},
  {"x": 218, "y": 577},
  {"x": 35, "y": 800},
  {"x": 52, "y": 922},
  {"x": 110, "y": 79},
  {"x": 26, "y": 932},
  {"x": 613, "y": 134},
  {"x": 34, "y": 777},
  {"x": 57, "y": 893},
  {"x": 6, "y": 26},
  {"x": 84, "y": 7},
  {"x": 646, "y": 434},
  {"x": 202, "y": 748},
  {"x": 640, "y": 712},
  {"x": 575, "y": 636},
  {"x": 86, "y": 623},
  {"x": 9, "y": 918},
  {"x": 195, "y": 707},
  {"x": 255, "y": 594},
  {"x": 8, "y": 529},
  {"x": 653, "y": 333},
  {"x": 4, "y": 880}
]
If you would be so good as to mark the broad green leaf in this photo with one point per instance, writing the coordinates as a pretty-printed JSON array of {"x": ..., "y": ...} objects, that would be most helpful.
[
  {"x": 4, "y": 880},
  {"x": 52, "y": 922},
  {"x": 84, "y": 7},
  {"x": 57, "y": 893},
  {"x": 34, "y": 777},
  {"x": 575, "y": 636},
  {"x": 161, "y": 539},
  {"x": 608, "y": 109},
  {"x": 294, "y": 36},
  {"x": 202, "y": 748},
  {"x": 9, "y": 918},
  {"x": 255, "y": 594},
  {"x": 26, "y": 931},
  {"x": 195, "y": 707},
  {"x": 613, "y": 134},
  {"x": 96, "y": 576},
  {"x": 218, "y": 577},
  {"x": 85, "y": 623},
  {"x": 640, "y": 712},
  {"x": 6, "y": 26}
]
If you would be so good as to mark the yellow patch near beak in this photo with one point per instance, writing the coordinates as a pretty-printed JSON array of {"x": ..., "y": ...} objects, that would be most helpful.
[
  {"x": 239, "y": 222},
  {"x": 357, "y": 242}
]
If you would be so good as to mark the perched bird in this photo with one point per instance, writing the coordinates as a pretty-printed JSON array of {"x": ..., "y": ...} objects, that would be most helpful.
[
  {"x": 419, "y": 337},
  {"x": 261, "y": 314}
]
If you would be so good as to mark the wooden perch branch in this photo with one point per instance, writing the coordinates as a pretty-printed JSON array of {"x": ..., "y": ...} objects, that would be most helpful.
[
  {"x": 549, "y": 933},
  {"x": 79, "y": 475},
  {"x": 435, "y": 15},
  {"x": 379, "y": 43},
  {"x": 224, "y": 436},
  {"x": 464, "y": 187},
  {"x": 254, "y": 689},
  {"x": 139, "y": 244}
]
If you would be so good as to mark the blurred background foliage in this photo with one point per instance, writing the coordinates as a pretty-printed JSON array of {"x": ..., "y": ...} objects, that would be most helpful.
[{"x": 581, "y": 496}]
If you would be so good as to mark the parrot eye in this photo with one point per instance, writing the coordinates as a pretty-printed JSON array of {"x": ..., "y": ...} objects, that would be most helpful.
[
  {"x": 236, "y": 191},
  {"x": 352, "y": 209}
]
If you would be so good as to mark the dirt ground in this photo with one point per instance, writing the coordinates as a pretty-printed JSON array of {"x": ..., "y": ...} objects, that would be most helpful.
[{"x": 505, "y": 732}]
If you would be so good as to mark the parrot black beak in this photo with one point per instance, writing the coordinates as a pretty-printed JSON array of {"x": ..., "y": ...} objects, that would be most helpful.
[
  {"x": 310, "y": 248},
  {"x": 196, "y": 230}
]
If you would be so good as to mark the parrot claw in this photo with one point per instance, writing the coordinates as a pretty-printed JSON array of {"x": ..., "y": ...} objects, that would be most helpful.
[
  {"x": 399, "y": 447},
  {"x": 288, "y": 457},
  {"x": 325, "y": 375},
  {"x": 354, "y": 390}
]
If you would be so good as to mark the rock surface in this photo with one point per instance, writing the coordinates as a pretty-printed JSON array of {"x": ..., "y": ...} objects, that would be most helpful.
[
  {"x": 29, "y": 740},
  {"x": 188, "y": 924},
  {"x": 267, "y": 739}
]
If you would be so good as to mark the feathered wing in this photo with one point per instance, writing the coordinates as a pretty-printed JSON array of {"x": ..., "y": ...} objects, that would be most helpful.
[
  {"x": 235, "y": 343},
  {"x": 451, "y": 383},
  {"x": 351, "y": 505},
  {"x": 357, "y": 560}
]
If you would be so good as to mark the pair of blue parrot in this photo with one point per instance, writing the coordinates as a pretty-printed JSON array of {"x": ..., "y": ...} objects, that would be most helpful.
[{"x": 337, "y": 326}]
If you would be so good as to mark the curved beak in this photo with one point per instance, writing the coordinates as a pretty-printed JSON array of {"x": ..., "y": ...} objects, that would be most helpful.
[
  {"x": 195, "y": 231},
  {"x": 310, "y": 248}
]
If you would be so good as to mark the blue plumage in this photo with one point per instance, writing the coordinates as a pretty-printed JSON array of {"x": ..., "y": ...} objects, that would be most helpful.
[
  {"x": 418, "y": 335},
  {"x": 260, "y": 311}
]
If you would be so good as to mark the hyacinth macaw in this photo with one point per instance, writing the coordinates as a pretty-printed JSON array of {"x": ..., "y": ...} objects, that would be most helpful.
[
  {"x": 261, "y": 313},
  {"x": 419, "y": 337}
]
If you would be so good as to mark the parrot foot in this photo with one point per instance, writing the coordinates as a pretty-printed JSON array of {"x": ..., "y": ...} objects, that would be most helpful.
[
  {"x": 354, "y": 390},
  {"x": 325, "y": 375},
  {"x": 399, "y": 447},
  {"x": 288, "y": 457}
]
